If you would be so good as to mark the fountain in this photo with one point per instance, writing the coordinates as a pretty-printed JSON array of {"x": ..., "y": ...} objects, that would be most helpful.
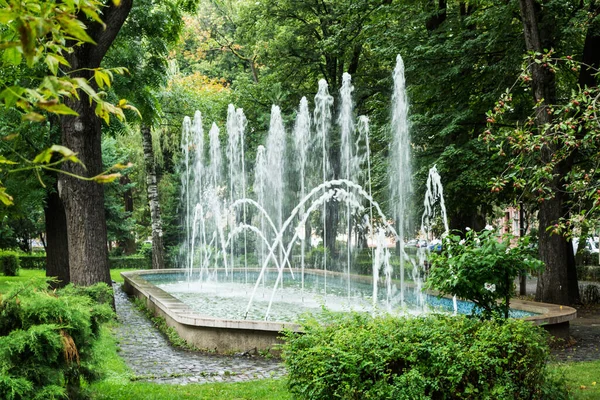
[
  {"x": 283, "y": 218},
  {"x": 256, "y": 260}
]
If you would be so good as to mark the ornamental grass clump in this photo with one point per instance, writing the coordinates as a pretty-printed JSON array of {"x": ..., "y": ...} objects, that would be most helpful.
[
  {"x": 47, "y": 337},
  {"x": 481, "y": 267},
  {"x": 428, "y": 357}
]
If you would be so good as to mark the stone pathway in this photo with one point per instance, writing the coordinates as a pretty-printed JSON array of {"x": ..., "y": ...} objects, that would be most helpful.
[
  {"x": 150, "y": 356},
  {"x": 584, "y": 344}
]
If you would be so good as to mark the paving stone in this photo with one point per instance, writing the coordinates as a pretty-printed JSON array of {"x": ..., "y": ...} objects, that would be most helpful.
[{"x": 150, "y": 355}]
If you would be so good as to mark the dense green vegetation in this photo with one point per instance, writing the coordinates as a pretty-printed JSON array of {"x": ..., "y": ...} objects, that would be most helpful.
[
  {"x": 46, "y": 339},
  {"x": 115, "y": 381},
  {"x": 437, "y": 357},
  {"x": 504, "y": 100}
]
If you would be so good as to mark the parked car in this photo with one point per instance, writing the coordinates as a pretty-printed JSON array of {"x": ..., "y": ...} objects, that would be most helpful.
[
  {"x": 435, "y": 245},
  {"x": 412, "y": 243}
]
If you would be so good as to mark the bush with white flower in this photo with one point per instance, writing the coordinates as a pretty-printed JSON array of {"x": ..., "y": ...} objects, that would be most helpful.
[{"x": 481, "y": 267}]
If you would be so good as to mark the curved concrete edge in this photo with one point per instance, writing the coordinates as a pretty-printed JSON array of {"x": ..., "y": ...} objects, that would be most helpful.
[
  {"x": 230, "y": 336},
  {"x": 202, "y": 331},
  {"x": 550, "y": 314}
]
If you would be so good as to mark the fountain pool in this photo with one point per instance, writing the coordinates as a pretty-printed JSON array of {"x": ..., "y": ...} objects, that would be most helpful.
[{"x": 205, "y": 329}]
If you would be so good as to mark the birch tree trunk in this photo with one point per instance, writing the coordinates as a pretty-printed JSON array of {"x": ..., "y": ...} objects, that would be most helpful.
[{"x": 158, "y": 252}]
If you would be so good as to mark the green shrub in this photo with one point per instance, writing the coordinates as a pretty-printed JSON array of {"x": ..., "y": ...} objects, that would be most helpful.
[
  {"x": 432, "y": 357},
  {"x": 9, "y": 263},
  {"x": 145, "y": 250},
  {"x": 32, "y": 261},
  {"x": 590, "y": 294},
  {"x": 47, "y": 337},
  {"x": 129, "y": 262},
  {"x": 481, "y": 268},
  {"x": 588, "y": 273}
]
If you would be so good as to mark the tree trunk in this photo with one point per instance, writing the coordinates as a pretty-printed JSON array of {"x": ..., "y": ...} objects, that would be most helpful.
[
  {"x": 158, "y": 256},
  {"x": 555, "y": 284},
  {"x": 57, "y": 246},
  {"x": 128, "y": 244},
  {"x": 84, "y": 200}
]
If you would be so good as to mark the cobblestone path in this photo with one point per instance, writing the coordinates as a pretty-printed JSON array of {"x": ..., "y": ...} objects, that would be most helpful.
[
  {"x": 151, "y": 357},
  {"x": 585, "y": 332}
]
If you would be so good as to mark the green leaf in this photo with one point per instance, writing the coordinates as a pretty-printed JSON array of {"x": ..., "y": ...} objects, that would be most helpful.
[
  {"x": 6, "y": 16},
  {"x": 74, "y": 28},
  {"x": 5, "y": 198},
  {"x": 11, "y": 95},
  {"x": 12, "y": 56},
  {"x": 45, "y": 156},
  {"x": 106, "y": 178},
  {"x": 65, "y": 152},
  {"x": 52, "y": 63},
  {"x": 34, "y": 117},
  {"x": 4, "y": 160},
  {"x": 102, "y": 78},
  {"x": 58, "y": 108}
]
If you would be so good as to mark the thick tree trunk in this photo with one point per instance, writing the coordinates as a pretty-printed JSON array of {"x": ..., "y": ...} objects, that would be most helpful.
[
  {"x": 555, "y": 284},
  {"x": 84, "y": 200},
  {"x": 57, "y": 246},
  {"x": 158, "y": 252}
]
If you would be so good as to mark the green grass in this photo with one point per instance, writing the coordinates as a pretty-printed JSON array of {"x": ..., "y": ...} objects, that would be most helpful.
[
  {"x": 115, "y": 274},
  {"x": 583, "y": 378},
  {"x": 27, "y": 274},
  {"x": 267, "y": 389},
  {"x": 24, "y": 276}
]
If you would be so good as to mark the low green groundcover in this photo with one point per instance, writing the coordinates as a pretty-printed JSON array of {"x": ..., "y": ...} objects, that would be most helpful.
[{"x": 430, "y": 357}]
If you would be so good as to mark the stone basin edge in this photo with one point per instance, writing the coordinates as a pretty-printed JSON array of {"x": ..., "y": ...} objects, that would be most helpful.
[{"x": 554, "y": 318}]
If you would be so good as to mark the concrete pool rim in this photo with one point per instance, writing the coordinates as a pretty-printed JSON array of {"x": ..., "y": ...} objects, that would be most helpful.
[{"x": 229, "y": 336}]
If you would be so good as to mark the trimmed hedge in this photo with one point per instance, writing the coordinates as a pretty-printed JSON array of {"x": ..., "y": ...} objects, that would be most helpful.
[
  {"x": 29, "y": 261},
  {"x": 135, "y": 262},
  {"x": 430, "y": 357},
  {"x": 9, "y": 263}
]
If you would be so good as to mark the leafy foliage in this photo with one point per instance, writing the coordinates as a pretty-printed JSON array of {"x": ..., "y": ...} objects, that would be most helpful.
[
  {"x": 533, "y": 152},
  {"x": 9, "y": 263},
  {"x": 433, "y": 357},
  {"x": 481, "y": 268},
  {"x": 46, "y": 338}
]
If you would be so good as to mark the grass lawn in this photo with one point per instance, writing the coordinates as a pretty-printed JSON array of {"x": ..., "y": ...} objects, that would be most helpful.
[
  {"x": 583, "y": 378},
  {"x": 27, "y": 274},
  {"x": 24, "y": 276}
]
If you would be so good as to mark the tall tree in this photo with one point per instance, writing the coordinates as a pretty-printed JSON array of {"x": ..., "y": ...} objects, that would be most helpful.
[
  {"x": 553, "y": 154},
  {"x": 83, "y": 199},
  {"x": 143, "y": 47},
  {"x": 558, "y": 283},
  {"x": 158, "y": 252}
]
